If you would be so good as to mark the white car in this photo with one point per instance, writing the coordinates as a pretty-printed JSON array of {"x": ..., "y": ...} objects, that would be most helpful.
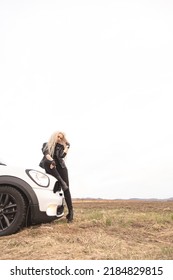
[{"x": 27, "y": 197}]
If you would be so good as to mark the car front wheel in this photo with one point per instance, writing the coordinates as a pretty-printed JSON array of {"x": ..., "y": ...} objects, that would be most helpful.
[{"x": 12, "y": 210}]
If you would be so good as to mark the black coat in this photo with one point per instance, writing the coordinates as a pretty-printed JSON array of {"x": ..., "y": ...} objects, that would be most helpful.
[{"x": 58, "y": 155}]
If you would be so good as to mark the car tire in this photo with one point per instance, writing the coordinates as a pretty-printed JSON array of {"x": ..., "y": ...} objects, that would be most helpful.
[{"x": 12, "y": 210}]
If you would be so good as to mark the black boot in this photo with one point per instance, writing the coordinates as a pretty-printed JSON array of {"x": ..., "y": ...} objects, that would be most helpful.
[
  {"x": 69, "y": 216},
  {"x": 68, "y": 201},
  {"x": 57, "y": 187}
]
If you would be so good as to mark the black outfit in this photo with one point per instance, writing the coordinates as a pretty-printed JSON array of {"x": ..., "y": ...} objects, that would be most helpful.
[{"x": 60, "y": 172}]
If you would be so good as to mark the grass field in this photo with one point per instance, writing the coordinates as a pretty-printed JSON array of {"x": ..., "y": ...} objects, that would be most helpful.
[{"x": 102, "y": 230}]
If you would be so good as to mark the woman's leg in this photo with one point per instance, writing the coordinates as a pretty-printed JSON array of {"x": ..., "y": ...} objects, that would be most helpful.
[
  {"x": 64, "y": 175},
  {"x": 55, "y": 173}
]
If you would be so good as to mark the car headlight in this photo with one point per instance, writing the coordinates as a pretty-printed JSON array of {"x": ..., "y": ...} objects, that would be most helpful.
[{"x": 38, "y": 177}]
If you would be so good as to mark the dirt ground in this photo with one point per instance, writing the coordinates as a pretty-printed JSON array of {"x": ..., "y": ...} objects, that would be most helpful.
[{"x": 102, "y": 230}]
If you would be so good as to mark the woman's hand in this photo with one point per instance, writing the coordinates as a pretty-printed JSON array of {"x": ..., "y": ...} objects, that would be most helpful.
[
  {"x": 67, "y": 144},
  {"x": 52, "y": 165},
  {"x": 52, "y": 162},
  {"x": 66, "y": 149}
]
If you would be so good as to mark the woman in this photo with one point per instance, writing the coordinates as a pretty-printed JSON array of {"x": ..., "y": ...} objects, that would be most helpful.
[{"x": 55, "y": 150}]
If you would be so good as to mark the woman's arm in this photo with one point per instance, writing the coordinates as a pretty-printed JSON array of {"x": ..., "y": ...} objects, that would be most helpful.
[
  {"x": 61, "y": 152},
  {"x": 48, "y": 156}
]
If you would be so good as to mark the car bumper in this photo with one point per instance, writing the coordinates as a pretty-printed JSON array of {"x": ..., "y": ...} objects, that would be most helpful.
[
  {"x": 48, "y": 201},
  {"x": 38, "y": 217}
]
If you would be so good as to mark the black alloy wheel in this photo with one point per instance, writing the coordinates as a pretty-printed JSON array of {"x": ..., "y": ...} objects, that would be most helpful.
[{"x": 12, "y": 210}]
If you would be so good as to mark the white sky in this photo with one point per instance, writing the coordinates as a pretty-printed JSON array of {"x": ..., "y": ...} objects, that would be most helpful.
[{"x": 102, "y": 71}]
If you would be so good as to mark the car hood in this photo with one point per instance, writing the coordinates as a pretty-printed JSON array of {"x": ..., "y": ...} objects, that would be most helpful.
[{"x": 21, "y": 173}]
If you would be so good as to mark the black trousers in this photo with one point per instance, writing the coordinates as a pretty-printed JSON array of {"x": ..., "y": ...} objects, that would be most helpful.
[
  {"x": 64, "y": 175},
  {"x": 61, "y": 174}
]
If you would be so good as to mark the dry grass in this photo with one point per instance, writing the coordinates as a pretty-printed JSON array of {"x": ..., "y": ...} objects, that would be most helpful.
[{"x": 102, "y": 230}]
